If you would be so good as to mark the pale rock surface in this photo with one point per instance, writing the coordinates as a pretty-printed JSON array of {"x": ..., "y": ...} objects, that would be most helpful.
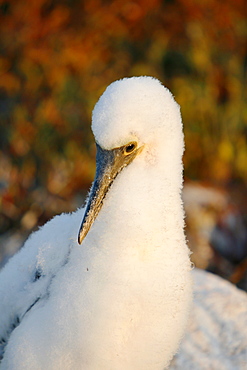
[{"x": 216, "y": 337}]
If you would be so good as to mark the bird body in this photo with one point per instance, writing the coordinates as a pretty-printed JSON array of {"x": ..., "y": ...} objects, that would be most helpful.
[{"x": 121, "y": 299}]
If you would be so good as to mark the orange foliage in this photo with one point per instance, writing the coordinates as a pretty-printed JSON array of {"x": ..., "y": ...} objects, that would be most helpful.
[{"x": 57, "y": 58}]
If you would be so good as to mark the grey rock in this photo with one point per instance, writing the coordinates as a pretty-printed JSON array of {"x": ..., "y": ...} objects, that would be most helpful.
[{"x": 216, "y": 338}]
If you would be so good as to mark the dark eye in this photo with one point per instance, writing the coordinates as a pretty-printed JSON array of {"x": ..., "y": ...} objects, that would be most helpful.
[{"x": 130, "y": 147}]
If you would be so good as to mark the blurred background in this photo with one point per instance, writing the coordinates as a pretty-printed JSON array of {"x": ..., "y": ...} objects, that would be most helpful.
[{"x": 57, "y": 57}]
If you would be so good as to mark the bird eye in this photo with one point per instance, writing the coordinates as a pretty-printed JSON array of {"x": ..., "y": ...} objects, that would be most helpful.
[{"x": 130, "y": 147}]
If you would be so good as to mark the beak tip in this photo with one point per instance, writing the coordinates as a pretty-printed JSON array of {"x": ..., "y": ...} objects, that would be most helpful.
[{"x": 79, "y": 238}]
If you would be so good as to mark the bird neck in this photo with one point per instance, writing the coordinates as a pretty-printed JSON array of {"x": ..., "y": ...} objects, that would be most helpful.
[{"x": 143, "y": 205}]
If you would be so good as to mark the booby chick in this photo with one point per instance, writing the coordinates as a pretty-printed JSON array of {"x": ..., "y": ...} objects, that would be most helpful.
[{"x": 120, "y": 300}]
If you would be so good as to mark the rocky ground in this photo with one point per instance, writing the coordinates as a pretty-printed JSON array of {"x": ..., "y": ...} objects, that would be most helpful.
[{"x": 216, "y": 337}]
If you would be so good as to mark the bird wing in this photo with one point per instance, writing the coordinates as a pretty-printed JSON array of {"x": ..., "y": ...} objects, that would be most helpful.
[{"x": 26, "y": 278}]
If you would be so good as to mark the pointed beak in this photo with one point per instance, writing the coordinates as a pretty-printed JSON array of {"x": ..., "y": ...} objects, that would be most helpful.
[{"x": 109, "y": 163}]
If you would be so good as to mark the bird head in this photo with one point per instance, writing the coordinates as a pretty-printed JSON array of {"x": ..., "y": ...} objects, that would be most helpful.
[{"x": 129, "y": 116}]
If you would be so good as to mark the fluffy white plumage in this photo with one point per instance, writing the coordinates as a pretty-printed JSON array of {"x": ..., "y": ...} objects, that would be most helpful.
[{"x": 121, "y": 299}]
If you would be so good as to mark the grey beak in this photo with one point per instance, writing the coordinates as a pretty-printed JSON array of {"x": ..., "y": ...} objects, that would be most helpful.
[{"x": 109, "y": 163}]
